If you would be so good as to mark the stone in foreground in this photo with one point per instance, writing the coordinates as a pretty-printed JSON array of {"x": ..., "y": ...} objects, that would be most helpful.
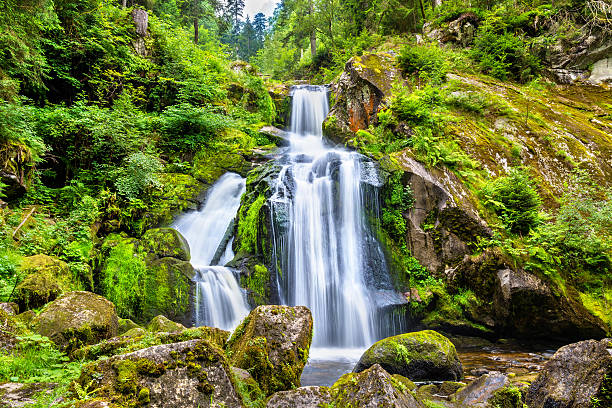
[
  {"x": 76, "y": 319},
  {"x": 424, "y": 355},
  {"x": 272, "y": 344},
  {"x": 305, "y": 397},
  {"x": 577, "y": 375},
  {"x": 189, "y": 374},
  {"x": 481, "y": 390}
]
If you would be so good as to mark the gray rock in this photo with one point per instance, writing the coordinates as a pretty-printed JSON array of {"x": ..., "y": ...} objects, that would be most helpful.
[
  {"x": 10, "y": 308},
  {"x": 574, "y": 375},
  {"x": 372, "y": 388},
  {"x": 188, "y": 374},
  {"x": 304, "y": 397},
  {"x": 280, "y": 137},
  {"x": 17, "y": 395},
  {"x": 479, "y": 391}
]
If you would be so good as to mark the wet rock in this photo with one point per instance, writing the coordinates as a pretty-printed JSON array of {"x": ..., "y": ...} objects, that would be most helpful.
[
  {"x": 360, "y": 93},
  {"x": 9, "y": 308},
  {"x": 576, "y": 375},
  {"x": 188, "y": 374},
  {"x": 602, "y": 71},
  {"x": 373, "y": 388},
  {"x": 424, "y": 355},
  {"x": 165, "y": 242},
  {"x": 76, "y": 319},
  {"x": 46, "y": 278},
  {"x": 17, "y": 395},
  {"x": 305, "y": 397},
  {"x": 169, "y": 290},
  {"x": 280, "y": 137},
  {"x": 272, "y": 344},
  {"x": 163, "y": 324},
  {"x": 479, "y": 391}
]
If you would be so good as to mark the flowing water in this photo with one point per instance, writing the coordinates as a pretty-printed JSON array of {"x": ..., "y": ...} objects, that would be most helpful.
[
  {"x": 219, "y": 300},
  {"x": 328, "y": 257}
]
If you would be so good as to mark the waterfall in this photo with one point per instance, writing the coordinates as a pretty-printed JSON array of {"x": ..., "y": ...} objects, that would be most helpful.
[
  {"x": 327, "y": 257},
  {"x": 219, "y": 300}
]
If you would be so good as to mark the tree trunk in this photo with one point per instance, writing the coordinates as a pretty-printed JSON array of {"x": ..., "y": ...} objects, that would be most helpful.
[
  {"x": 313, "y": 34},
  {"x": 196, "y": 31},
  {"x": 123, "y": 3}
]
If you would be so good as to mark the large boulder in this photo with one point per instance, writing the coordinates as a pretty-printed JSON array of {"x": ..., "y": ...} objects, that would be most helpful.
[
  {"x": 304, "y": 397},
  {"x": 194, "y": 373},
  {"x": 163, "y": 324},
  {"x": 165, "y": 242},
  {"x": 577, "y": 375},
  {"x": 46, "y": 278},
  {"x": 373, "y": 388},
  {"x": 360, "y": 92},
  {"x": 272, "y": 344},
  {"x": 424, "y": 355},
  {"x": 76, "y": 319},
  {"x": 168, "y": 290}
]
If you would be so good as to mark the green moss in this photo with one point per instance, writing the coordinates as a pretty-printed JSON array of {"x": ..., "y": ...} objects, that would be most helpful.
[
  {"x": 507, "y": 397},
  {"x": 248, "y": 225},
  {"x": 258, "y": 281},
  {"x": 165, "y": 242}
]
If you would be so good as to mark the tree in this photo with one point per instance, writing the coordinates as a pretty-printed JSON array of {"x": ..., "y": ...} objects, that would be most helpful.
[
  {"x": 259, "y": 25},
  {"x": 248, "y": 42},
  {"x": 235, "y": 9}
]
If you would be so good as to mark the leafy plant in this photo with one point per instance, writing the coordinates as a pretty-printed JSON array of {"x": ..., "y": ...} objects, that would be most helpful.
[{"x": 139, "y": 172}]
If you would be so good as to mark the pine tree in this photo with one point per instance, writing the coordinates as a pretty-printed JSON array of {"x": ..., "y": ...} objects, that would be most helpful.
[
  {"x": 259, "y": 24},
  {"x": 235, "y": 9}
]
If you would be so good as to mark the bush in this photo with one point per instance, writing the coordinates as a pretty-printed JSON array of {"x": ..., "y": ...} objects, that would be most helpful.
[
  {"x": 427, "y": 62},
  {"x": 515, "y": 201},
  {"x": 139, "y": 172}
]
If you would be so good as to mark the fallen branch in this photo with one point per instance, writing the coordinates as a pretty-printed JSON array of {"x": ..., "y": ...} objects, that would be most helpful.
[{"x": 24, "y": 221}]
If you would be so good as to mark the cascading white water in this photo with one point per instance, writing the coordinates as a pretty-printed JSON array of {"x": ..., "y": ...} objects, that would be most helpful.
[
  {"x": 322, "y": 242},
  {"x": 220, "y": 302}
]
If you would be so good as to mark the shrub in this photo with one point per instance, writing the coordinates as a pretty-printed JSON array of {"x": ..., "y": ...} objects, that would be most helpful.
[
  {"x": 515, "y": 201},
  {"x": 139, "y": 172},
  {"x": 427, "y": 62}
]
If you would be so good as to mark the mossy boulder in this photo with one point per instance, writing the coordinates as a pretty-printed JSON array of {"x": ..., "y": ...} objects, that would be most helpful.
[
  {"x": 163, "y": 324},
  {"x": 272, "y": 344},
  {"x": 576, "y": 376},
  {"x": 424, "y": 355},
  {"x": 76, "y": 319},
  {"x": 168, "y": 290},
  {"x": 9, "y": 330},
  {"x": 125, "y": 325},
  {"x": 165, "y": 242},
  {"x": 193, "y": 373},
  {"x": 10, "y": 308},
  {"x": 507, "y": 397},
  {"x": 14, "y": 395},
  {"x": 46, "y": 278},
  {"x": 304, "y": 397},
  {"x": 208, "y": 165},
  {"x": 373, "y": 388}
]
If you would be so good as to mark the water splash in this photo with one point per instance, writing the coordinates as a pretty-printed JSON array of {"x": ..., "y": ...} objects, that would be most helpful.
[{"x": 219, "y": 300}]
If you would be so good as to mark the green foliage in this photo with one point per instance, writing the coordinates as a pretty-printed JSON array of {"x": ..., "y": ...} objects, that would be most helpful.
[
  {"x": 248, "y": 225},
  {"x": 9, "y": 277},
  {"x": 36, "y": 359},
  {"x": 122, "y": 280},
  {"x": 139, "y": 172},
  {"x": 514, "y": 200},
  {"x": 398, "y": 199},
  {"x": 16, "y": 128},
  {"x": 427, "y": 62}
]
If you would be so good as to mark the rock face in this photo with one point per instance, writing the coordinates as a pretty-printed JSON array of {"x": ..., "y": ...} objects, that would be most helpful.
[
  {"x": 46, "y": 279},
  {"x": 424, "y": 355},
  {"x": 189, "y": 374},
  {"x": 76, "y": 319},
  {"x": 305, "y": 397},
  {"x": 165, "y": 242},
  {"x": 272, "y": 344},
  {"x": 360, "y": 93},
  {"x": 522, "y": 304},
  {"x": 575, "y": 375},
  {"x": 373, "y": 388}
]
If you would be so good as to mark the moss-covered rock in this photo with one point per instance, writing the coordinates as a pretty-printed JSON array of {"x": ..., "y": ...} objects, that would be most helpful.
[
  {"x": 46, "y": 278},
  {"x": 163, "y": 324},
  {"x": 165, "y": 242},
  {"x": 424, "y": 355},
  {"x": 209, "y": 165},
  {"x": 272, "y": 344},
  {"x": 193, "y": 373},
  {"x": 304, "y": 397},
  {"x": 10, "y": 308},
  {"x": 13, "y": 395},
  {"x": 125, "y": 325},
  {"x": 480, "y": 391},
  {"x": 508, "y": 397},
  {"x": 76, "y": 319},
  {"x": 168, "y": 290},
  {"x": 373, "y": 388}
]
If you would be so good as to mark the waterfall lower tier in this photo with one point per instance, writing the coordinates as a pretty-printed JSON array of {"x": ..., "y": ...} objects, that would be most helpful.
[
  {"x": 328, "y": 258},
  {"x": 219, "y": 300}
]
